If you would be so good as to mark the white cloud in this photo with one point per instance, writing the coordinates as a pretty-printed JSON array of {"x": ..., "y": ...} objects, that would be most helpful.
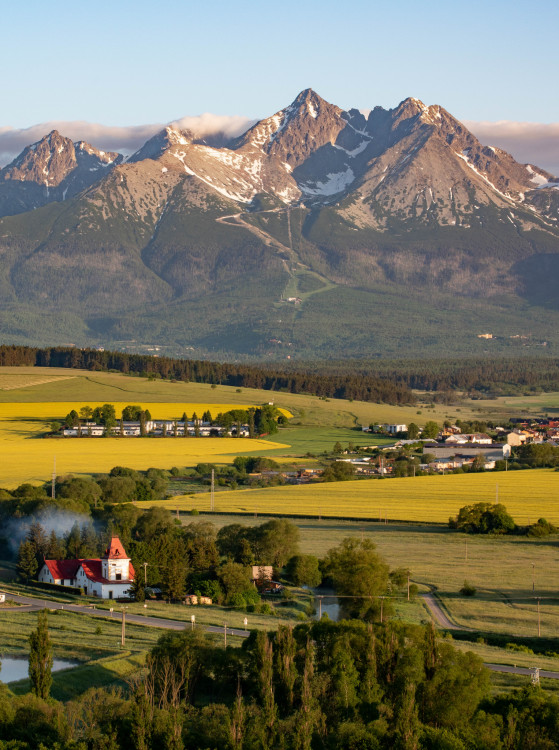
[
  {"x": 125, "y": 140},
  {"x": 527, "y": 142}
]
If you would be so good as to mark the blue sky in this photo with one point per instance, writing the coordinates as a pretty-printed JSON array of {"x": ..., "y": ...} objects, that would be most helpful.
[
  {"x": 114, "y": 72},
  {"x": 124, "y": 63}
]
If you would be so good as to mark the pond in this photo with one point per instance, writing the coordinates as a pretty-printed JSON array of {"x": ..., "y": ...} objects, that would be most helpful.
[
  {"x": 326, "y": 602},
  {"x": 16, "y": 668}
]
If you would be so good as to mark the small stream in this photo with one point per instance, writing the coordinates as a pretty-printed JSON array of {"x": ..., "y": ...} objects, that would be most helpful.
[{"x": 16, "y": 668}]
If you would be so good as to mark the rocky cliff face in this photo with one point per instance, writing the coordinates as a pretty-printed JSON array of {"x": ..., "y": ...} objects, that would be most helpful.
[{"x": 53, "y": 169}]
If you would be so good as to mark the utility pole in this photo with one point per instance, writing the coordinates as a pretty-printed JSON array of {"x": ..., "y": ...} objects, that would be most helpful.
[
  {"x": 53, "y": 487},
  {"x": 225, "y": 635},
  {"x": 123, "y": 633},
  {"x": 320, "y": 608},
  {"x": 212, "y": 491},
  {"x": 145, "y": 573}
]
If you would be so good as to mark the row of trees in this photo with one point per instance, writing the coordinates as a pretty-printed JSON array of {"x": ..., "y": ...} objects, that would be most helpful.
[
  {"x": 476, "y": 376},
  {"x": 362, "y": 387},
  {"x": 261, "y": 420},
  {"x": 349, "y": 686}
]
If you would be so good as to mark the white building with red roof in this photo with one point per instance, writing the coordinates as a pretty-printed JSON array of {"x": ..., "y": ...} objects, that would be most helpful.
[{"x": 108, "y": 577}]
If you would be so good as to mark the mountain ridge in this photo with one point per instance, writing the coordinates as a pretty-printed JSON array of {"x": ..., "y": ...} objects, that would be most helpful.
[{"x": 246, "y": 243}]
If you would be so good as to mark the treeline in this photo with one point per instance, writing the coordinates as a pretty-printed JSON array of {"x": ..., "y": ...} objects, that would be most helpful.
[
  {"x": 475, "y": 375},
  {"x": 362, "y": 387},
  {"x": 320, "y": 686}
]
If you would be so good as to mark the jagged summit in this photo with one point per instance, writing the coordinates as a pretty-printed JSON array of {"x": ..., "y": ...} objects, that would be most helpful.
[
  {"x": 311, "y": 151},
  {"x": 162, "y": 142},
  {"x": 307, "y": 227},
  {"x": 52, "y": 169}
]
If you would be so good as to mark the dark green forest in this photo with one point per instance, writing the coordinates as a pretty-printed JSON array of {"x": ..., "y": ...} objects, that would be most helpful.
[{"x": 361, "y": 387}]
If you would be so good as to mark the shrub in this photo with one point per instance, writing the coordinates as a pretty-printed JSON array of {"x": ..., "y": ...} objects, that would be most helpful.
[
  {"x": 468, "y": 590},
  {"x": 518, "y": 647}
]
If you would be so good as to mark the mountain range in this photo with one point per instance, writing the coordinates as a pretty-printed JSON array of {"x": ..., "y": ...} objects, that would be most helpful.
[{"x": 317, "y": 233}]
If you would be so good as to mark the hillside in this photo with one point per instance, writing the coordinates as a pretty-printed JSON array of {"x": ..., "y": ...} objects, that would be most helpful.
[{"x": 318, "y": 233}]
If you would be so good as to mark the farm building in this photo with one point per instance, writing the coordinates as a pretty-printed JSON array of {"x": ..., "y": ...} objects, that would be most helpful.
[{"x": 108, "y": 577}]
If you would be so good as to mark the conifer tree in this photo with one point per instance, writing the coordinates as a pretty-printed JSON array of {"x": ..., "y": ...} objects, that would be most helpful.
[
  {"x": 27, "y": 565},
  {"x": 40, "y": 658},
  {"x": 55, "y": 547}
]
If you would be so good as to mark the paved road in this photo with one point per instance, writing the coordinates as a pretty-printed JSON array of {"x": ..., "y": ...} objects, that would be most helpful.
[
  {"x": 31, "y": 604},
  {"x": 521, "y": 670}
]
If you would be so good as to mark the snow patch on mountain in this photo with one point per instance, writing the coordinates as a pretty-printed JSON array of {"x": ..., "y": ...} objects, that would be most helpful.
[
  {"x": 353, "y": 152},
  {"x": 540, "y": 180},
  {"x": 336, "y": 182},
  {"x": 483, "y": 177}
]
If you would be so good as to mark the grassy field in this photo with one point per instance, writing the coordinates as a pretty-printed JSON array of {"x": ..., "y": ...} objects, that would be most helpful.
[
  {"x": 502, "y": 569},
  {"x": 11, "y": 381},
  {"x": 40, "y": 395},
  {"x": 82, "y": 386},
  {"x": 104, "y": 664},
  {"x": 528, "y": 495}
]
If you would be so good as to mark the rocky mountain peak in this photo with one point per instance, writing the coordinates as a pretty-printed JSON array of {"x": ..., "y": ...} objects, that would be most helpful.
[
  {"x": 294, "y": 133},
  {"x": 161, "y": 142},
  {"x": 46, "y": 162}
]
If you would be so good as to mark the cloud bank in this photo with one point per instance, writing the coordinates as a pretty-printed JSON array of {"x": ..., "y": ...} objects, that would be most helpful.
[
  {"x": 125, "y": 140},
  {"x": 526, "y": 141}
]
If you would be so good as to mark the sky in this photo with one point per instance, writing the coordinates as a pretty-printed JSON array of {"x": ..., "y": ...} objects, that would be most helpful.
[{"x": 137, "y": 65}]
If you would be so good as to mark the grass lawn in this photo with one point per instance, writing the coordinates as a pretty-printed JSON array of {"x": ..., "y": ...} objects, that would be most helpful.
[{"x": 314, "y": 440}]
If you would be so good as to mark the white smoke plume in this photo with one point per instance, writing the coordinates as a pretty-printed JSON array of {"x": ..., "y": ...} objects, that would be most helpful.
[
  {"x": 60, "y": 521},
  {"x": 125, "y": 140}
]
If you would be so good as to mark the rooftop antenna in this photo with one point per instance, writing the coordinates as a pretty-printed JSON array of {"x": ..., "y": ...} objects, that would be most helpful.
[{"x": 53, "y": 490}]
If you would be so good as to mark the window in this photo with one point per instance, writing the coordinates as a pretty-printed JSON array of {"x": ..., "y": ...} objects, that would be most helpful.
[{"x": 118, "y": 576}]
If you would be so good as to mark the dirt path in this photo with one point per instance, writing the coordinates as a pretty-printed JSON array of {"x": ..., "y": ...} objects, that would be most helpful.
[{"x": 437, "y": 613}]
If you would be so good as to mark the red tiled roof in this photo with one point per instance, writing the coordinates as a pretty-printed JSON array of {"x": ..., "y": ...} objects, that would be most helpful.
[
  {"x": 60, "y": 569},
  {"x": 93, "y": 570},
  {"x": 115, "y": 549},
  {"x": 67, "y": 569}
]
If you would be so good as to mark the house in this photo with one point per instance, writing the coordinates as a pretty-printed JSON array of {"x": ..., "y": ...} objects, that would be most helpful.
[
  {"x": 494, "y": 452},
  {"x": 479, "y": 438},
  {"x": 108, "y": 577},
  {"x": 394, "y": 429},
  {"x": 262, "y": 573}
]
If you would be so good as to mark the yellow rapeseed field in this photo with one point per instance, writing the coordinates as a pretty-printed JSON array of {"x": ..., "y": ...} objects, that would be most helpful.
[
  {"x": 528, "y": 495},
  {"x": 26, "y": 456}
]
